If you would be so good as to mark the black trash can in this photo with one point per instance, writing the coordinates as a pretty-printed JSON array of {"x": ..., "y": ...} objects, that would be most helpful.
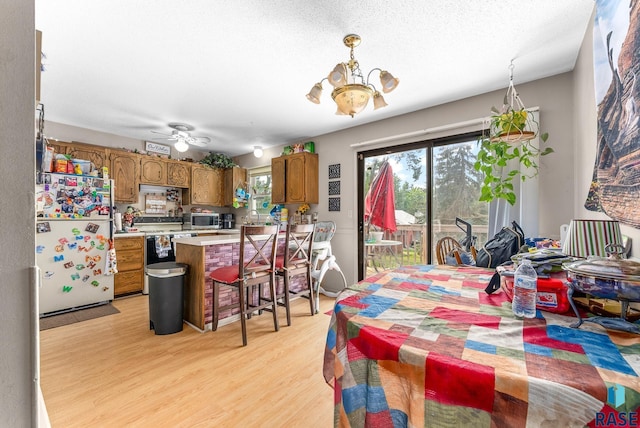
[{"x": 166, "y": 296}]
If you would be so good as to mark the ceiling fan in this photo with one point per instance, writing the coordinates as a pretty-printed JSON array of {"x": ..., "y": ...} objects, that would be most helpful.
[{"x": 180, "y": 134}]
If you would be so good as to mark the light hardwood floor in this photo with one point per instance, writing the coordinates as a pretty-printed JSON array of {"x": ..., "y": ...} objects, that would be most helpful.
[{"x": 115, "y": 372}]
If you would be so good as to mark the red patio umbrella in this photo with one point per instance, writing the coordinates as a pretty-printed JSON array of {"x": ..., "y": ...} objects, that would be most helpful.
[{"x": 380, "y": 201}]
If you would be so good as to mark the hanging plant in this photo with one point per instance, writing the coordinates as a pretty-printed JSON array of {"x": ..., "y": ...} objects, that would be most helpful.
[
  {"x": 218, "y": 161},
  {"x": 510, "y": 135}
]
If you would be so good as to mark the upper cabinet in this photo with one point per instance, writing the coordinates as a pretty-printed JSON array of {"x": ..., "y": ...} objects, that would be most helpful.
[
  {"x": 295, "y": 179},
  {"x": 95, "y": 154},
  {"x": 178, "y": 174},
  {"x": 153, "y": 170},
  {"x": 233, "y": 179},
  {"x": 125, "y": 170},
  {"x": 206, "y": 186}
]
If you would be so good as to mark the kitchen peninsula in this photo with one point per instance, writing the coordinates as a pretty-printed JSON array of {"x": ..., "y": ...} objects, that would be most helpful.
[{"x": 204, "y": 254}]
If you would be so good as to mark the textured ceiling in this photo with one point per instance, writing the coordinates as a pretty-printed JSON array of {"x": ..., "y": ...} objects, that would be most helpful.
[{"x": 238, "y": 71}]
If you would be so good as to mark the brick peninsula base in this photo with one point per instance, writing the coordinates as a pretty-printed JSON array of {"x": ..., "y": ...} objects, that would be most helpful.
[{"x": 204, "y": 254}]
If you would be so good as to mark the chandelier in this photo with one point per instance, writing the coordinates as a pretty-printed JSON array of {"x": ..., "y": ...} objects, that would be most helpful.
[{"x": 351, "y": 92}]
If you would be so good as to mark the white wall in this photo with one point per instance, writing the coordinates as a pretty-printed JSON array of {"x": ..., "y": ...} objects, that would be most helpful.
[{"x": 18, "y": 317}]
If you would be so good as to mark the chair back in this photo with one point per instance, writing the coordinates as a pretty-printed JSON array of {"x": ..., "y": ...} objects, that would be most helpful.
[
  {"x": 324, "y": 231},
  {"x": 258, "y": 246},
  {"x": 299, "y": 240},
  {"x": 445, "y": 246}
]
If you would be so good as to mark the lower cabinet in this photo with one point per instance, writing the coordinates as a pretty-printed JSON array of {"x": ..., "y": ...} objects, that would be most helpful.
[{"x": 130, "y": 258}]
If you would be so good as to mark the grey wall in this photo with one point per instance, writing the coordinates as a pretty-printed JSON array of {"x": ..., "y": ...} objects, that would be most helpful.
[
  {"x": 17, "y": 257},
  {"x": 567, "y": 112},
  {"x": 553, "y": 95},
  {"x": 585, "y": 131}
]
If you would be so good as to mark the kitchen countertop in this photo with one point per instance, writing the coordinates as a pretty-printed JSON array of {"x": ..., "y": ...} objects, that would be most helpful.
[
  {"x": 221, "y": 232},
  {"x": 203, "y": 241}
]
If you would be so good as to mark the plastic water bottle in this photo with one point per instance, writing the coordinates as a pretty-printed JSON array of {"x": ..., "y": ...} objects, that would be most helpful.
[{"x": 524, "y": 290}]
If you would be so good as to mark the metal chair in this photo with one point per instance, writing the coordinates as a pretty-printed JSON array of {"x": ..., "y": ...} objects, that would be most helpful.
[
  {"x": 256, "y": 266},
  {"x": 296, "y": 260}
]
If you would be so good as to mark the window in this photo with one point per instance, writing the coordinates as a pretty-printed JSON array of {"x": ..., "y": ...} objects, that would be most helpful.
[
  {"x": 260, "y": 189},
  {"x": 434, "y": 183}
]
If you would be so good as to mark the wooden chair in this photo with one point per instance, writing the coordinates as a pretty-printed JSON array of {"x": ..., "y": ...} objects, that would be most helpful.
[
  {"x": 450, "y": 246},
  {"x": 445, "y": 246},
  {"x": 256, "y": 266},
  {"x": 296, "y": 260}
]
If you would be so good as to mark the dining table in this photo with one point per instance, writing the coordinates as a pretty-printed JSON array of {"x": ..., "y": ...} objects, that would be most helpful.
[{"x": 425, "y": 345}]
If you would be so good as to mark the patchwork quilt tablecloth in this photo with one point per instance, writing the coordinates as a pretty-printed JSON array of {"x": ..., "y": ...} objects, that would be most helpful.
[{"x": 426, "y": 346}]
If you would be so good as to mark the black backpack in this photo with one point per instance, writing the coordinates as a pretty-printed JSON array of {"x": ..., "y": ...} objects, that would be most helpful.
[{"x": 501, "y": 247}]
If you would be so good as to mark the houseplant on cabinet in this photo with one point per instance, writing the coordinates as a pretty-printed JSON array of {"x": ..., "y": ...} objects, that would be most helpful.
[
  {"x": 510, "y": 137},
  {"x": 218, "y": 161}
]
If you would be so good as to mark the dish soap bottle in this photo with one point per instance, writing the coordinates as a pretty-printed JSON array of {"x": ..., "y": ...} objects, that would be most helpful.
[{"x": 524, "y": 290}]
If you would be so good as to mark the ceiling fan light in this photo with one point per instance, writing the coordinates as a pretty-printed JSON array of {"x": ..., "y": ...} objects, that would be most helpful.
[
  {"x": 338, "y": 75},
  {"x": 389, "y": 83},
  {"x": 315, "y": 93},
  {"x": 257, "y": 151},
  {"x": 378, "y": 101},
  {"x": 181, "y": 145}
]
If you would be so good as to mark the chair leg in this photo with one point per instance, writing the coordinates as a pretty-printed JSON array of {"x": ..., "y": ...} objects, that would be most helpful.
[
  {"x": 287, "y": 300},
  {"x": 216, "y": 298},
  {"x": 312, "y": 300},
  {"x": 274, "y": 300},
  {"x": 243, "y": 320}
]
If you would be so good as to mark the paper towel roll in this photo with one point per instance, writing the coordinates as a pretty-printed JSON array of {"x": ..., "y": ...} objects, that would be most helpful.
[{"x": 118, "y": 221}]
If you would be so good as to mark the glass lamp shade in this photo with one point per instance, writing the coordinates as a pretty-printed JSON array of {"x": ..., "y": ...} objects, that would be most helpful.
[
  {"x": 388, "y": 82},
  {"x": 378, "y": 101},
  {"x": 352, "y": 99},
  {"x": 590, "y": 237},
  {"x": 257, "y": 151},
  {"x": 338, "y": 76},
  {"x": 181, "y": 145},
  {"x": 315, "y": 93}
]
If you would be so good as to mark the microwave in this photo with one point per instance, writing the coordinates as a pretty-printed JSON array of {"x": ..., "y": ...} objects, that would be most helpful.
[{"x": 201, "y": 221}]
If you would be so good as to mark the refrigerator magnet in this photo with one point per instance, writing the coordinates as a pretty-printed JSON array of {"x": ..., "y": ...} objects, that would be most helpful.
[
  {"x": 44, "y": 227},
  {"x": 92, "y": 227}
]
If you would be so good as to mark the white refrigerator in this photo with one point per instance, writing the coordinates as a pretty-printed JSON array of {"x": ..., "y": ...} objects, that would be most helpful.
[{"x": 74, "y": 235}]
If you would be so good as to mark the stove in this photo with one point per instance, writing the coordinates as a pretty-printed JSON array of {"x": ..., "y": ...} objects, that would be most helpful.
[{"x": 158, "y": 224}]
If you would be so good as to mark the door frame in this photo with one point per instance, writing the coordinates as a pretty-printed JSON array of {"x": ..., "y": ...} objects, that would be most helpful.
[{"x": 428, "y": 146}]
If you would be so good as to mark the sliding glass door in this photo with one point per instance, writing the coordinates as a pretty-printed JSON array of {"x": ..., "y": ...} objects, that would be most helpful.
[{"x": 431, "y": 191}]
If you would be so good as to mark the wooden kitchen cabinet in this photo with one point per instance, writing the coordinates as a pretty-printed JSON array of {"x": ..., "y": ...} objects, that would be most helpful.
[
  {"x": 130, "y": 257},
  {"x": 125, "y": 171},
  {"x": 294, "y": 179},
  {"x": 95, "y": 154},
  {"x": 59, "y": 147},
  {"x": 233, "y": 178},
  {"x": 206, "y": 186},
  {"x": 178, "y": 174},
  {"x": 153, "y": 170}
]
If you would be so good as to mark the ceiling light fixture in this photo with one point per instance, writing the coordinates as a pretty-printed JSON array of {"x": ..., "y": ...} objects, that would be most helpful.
[
  {"x": 352, "y": 92},
  {"x": 257, "y": 151},
  {"x": 181, "y": 145}
]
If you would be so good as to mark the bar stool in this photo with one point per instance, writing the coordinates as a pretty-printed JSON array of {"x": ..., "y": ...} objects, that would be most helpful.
[
  {"x": 256, "y": 266},
  {"x": 296, "y": 260}
]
